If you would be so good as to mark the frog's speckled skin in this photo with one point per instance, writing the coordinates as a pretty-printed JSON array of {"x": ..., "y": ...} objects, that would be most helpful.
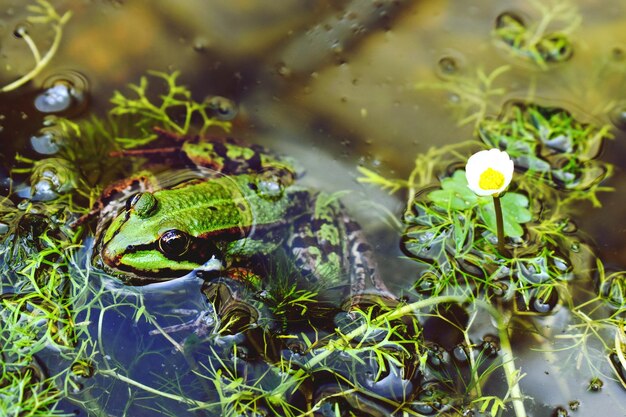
[{"x": 221, "y": 222}]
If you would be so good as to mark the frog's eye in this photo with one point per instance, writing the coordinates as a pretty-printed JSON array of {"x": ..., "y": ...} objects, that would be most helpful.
[
  {"x": 174, "y": 243},
  {"x": 143, "y": 204}
]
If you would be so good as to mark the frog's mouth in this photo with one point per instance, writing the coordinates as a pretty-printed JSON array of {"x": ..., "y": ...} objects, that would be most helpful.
[{"x": 145, "y": 263}]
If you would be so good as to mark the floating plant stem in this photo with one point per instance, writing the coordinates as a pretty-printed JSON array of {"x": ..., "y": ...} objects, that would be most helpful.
[
  {"x": 48, "y": 15},
  {"x": 21, "y": 31},
  {"x": 474, "y": 94},
  {"x": 513, "y": 375},
  {"x": 476, "y": 389},
  {"x": 147, "y": 388}
]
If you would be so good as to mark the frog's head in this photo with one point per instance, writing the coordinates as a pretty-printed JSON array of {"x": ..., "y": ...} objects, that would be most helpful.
[{"x": 148, "y": 241}]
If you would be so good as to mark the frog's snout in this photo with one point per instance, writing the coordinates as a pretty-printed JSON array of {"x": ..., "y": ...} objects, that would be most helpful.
[{"x": 109, "y": 256}]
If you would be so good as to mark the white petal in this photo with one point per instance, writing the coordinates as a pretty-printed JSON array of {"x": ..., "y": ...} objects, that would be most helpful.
[{"x": 481, "y": 161}]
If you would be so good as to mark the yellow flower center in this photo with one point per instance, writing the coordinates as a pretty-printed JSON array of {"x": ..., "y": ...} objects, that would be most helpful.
[{"x": 491, "y": 179}]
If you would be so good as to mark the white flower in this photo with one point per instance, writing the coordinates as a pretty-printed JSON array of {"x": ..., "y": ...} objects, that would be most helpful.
[{"x": 489, "y": 172}]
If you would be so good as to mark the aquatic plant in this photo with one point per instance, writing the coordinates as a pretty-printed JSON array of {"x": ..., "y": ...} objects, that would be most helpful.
[
  {"x": 45, "y": 312},
  {"x": 174, "y": 110},
  {"x": 552, "y": 147},
  {"x": 470, "y": 96},
  {"x": 41, "y": 14},
  {"x": 544, "y": 41},
  {"x": 450, "y": 232},
  {"x": 49, "y": 299},
  {"x": 284, "y": 359}
]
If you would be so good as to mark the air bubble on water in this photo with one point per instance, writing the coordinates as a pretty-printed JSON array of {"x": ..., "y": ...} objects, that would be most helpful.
[
  {"x": 575, "y": 247},
  {"x": 241, "y": 352},
  {"x": 19, "y": 191},
  {"x": 613, "y": 289},
  {"x": 222, "y": 107},
  {"x": 263, "y": 295},
  {"x": 490, "y": 346},
  {"x": 574, "y": 405},
  {"x": 283, "y": 70},
  {"x": 560, "y": 412},
  {"x": 595, "y": 384},
  {"x": 336, "y": 48},
  {"x": 427, "y": 282},
  {"x": 534, "y": 270},
  {"x": 45, "y": 143},
  {"x": 428, "y": 403},
  {"x": 551, "y": 52},
  {"x": 20, "y": 30},
  {"x": 43, "y": 190},
  {"x": 568, "y": 226},
  {"x": 297, "y": 347},
  {"x": 562, "y": 265},
  {"x": 83, "y": 368},
  {"x": 423, "y": 408},
  {"x": 507, "y": 19},
  {"x": 200, "y": 45},
  {"x": 500, "y": 288},
  {"x": 392, "y": 385},
  {"x": 56, "y": 99},
  {"x": 51, "y": 177},
  {"x": 544, "y": 304},
  {"x": 460, "y": 354},
  {"x": 447, "y": 66},
  {"x": 63, "y": 92},
  {"x": 437, "y": 356}
]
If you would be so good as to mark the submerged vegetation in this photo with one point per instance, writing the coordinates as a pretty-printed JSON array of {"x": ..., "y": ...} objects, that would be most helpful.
[
  {"x": 279, "y": 350},
  {"x": 547, "y": 263},
  {"x": 42, "y": 13},
  {"x": 547, "y": 39}
]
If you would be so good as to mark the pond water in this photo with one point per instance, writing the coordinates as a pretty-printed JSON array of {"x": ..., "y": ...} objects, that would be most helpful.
[{"x": 378, "y": 101}]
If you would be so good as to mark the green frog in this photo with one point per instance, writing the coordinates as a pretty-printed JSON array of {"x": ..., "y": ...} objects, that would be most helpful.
[{"x": 239, "y": 210}]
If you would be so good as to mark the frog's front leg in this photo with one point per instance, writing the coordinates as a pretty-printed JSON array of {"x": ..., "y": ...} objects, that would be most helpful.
[{"x": 364, "y": 273}]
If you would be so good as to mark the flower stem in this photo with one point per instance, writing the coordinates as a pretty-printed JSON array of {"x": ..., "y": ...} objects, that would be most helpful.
[{"x": 499, "y": 225}]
